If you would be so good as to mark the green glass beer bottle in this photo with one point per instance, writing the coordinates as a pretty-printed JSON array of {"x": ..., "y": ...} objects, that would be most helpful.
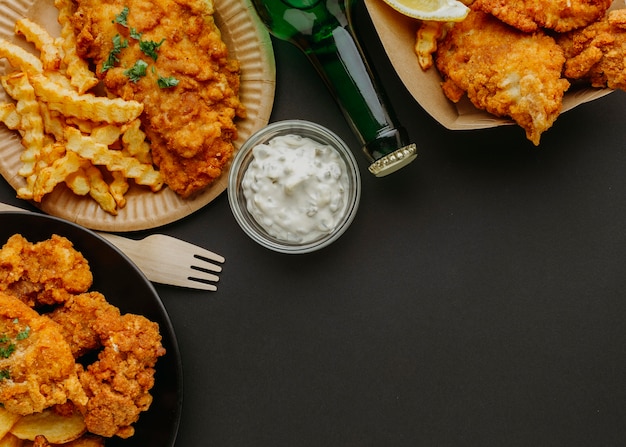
[{"x": 323, "y": 30}]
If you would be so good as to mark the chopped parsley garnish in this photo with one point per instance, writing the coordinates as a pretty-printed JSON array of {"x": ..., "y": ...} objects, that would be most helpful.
[
  {"x": 135, "y": 34},
  {"x": 122, "y": 17},
  {"x": 6, "y": 351},
  {"x": 8, "y": 347},
  {"x": 167, "y": 82},
  {"x": 112, "y": 59},
  {"x": 150, "y": 47},
  {"x": 137, "y": 71},
  {"x": 23, "y": 335}
]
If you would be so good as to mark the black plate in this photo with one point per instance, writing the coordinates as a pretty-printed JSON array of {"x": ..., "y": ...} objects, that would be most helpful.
[{"x": 124, "y": 286}]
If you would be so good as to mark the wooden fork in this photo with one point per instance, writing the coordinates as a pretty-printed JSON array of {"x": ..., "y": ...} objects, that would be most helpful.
[{"x": 165, "y": 259}]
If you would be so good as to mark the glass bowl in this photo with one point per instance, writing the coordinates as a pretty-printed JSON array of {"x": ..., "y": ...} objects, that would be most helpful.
[{"x": 272, "y": 183}]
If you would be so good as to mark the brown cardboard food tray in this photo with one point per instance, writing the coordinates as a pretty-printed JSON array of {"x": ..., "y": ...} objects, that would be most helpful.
[{"x": 397, "y": 34}]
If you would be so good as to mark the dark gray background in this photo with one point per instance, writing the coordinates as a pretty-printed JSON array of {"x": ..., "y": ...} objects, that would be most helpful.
[{"x": 477, "y": 300}]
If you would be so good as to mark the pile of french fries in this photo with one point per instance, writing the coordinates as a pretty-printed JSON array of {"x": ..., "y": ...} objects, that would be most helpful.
[
  {"x": 44, "y": 429},
  {"x": 93, "y": 144}
]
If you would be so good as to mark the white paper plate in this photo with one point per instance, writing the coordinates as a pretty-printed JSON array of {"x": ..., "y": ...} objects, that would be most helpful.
[{"x": 247, "y": 41}]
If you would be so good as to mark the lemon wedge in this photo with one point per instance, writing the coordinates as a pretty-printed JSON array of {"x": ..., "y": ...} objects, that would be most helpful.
[{"x": 438, "y": 10}]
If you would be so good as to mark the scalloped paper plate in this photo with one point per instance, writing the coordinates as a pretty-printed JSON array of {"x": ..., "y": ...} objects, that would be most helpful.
[
  {"x": 247, "y": 41},
  {"x": 397, "y": 33}
]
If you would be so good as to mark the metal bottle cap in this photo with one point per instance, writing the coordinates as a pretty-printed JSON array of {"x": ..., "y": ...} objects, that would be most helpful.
[{"x": 394, "y": 161}]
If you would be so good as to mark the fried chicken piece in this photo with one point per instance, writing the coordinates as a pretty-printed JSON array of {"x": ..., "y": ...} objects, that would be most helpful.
[
  {"x": 118, "y": 383},
  {"x": 36, "y": 364},
  {"x": 557, "y": 15},
  {"x": 597, "y": 53},
  {"x": 191, "y": 125},
  {"x": 77, "y": 319},
  {"x": 46, "y": 272},
  {"x": 504, "y": 71}
]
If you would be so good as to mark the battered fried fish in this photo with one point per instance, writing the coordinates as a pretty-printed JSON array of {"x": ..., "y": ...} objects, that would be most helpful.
[
  {"x": 169, "y": 55},
  {"x": 504, "y": 71},
  {"x": 558, "y": 15},
  {"x": 37, "y": 368},
  {"x": 597, "y": 53}
]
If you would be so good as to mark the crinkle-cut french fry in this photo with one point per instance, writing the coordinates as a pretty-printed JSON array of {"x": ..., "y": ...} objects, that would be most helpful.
[
  {"x": 53, "y": 122},
  {"x": 26, "y": 192},
  {"x": 119, "y": 187},
  {"x": 9, "y": 115},
  {"x": 81, "y": 77},
  {"x": 31, "y": 123},
  {"x": 86, "y": 106},
  {"x": 106, "y": 134},
  {"x": 19, "y": 58},
  {"x": 60, "y": 78},
  {"x": 100, "y": 154},
  {"x": 49, "y": 177},
  {"x": 78, "y": 182},
  {"x": 428, "y": 35},
  {"x": 99, "y": 190},
  {"x": 49, "y": 154},
  {"x": 134, "y": 142},
  {"x": 49, "y": 52},
  {"x": 85, "y": 126}
]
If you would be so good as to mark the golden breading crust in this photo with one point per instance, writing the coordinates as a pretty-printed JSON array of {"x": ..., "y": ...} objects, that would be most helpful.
[
  {"x": 504, "y": 71},
  {"x": 597, "y": 53},
  {"x": 47, "y": 353},
  {"x": 557, "y": 15},
  {"x": 77, "y": 317},
  {"x": 46, "y": 272},
  {"x": 191, "y": 125},
  {"x": 38, "y": 369},
  {"x": 118, "y": 383}
]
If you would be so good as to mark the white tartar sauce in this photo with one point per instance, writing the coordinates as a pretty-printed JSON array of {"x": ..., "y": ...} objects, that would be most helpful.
[{"x": 296, "y": 188}]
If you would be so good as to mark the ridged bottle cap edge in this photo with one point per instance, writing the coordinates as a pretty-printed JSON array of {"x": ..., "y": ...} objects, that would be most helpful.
[{"x": 394, "y": 161}]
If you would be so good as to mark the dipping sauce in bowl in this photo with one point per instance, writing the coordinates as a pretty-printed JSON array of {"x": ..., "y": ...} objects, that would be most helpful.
[{"x": 294, "y": 187}]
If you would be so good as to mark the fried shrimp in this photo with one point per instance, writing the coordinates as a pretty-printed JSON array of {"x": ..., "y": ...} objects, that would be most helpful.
[
  {"x": 46, "y": 272},
  {"x": 597, "y": 53},
  {"x": 557, "y": 15},
  {"x": 36, "y": 364},
  {"x": 504, "y": 71}
]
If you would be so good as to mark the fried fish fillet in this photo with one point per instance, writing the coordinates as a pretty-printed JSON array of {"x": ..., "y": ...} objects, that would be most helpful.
[
  {"x": 504, "y": 71},
  {"x": 38, "y": 369},
  {"x": 557, "y": 15},
  {"x": 191, "y": 125},
  {"x": 597, "y": 53}
]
